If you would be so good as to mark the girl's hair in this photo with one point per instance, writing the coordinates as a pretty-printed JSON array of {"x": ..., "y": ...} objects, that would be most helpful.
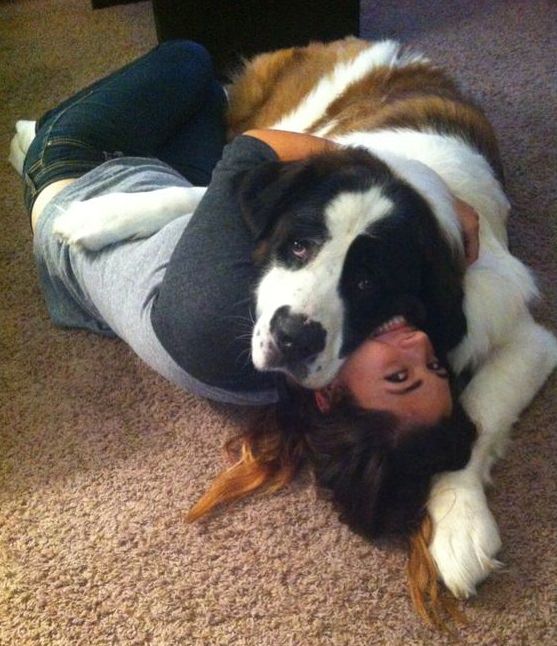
[
  {"x": 376, "y": 468},
  {"x": 379, "y": 468}
]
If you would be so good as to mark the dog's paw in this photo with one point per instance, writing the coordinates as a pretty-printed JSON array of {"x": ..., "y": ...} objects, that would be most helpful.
[
  {"x": 84, "y": 224},
  {"x": 465, "y": 535},
  {"x": 115, "y": 217}
]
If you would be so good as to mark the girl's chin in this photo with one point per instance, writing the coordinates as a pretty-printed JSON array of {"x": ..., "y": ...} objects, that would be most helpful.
[{"x": 393, "y": 326}]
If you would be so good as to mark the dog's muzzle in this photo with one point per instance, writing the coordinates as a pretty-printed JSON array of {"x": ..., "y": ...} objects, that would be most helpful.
[{"x": 297, "y": 338}]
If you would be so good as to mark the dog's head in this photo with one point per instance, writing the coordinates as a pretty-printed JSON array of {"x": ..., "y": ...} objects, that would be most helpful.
[{"x": 345, "y": 245}]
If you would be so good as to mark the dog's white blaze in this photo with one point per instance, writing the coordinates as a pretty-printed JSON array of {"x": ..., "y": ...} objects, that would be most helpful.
[
  {"x": 314, "y": 105},
  {"x": 349, "y": 214},
  {"x": 313, "y": 289}
]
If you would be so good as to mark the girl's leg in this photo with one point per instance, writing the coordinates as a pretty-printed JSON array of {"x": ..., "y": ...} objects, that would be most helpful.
[
  {"x": 131, "y": 112},
  {"x": 138, "y": 107},
  {"x": 196, "y": 147}
]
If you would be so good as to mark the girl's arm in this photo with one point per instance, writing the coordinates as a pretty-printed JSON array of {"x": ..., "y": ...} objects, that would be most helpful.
[{"x": 291, "y": 146}]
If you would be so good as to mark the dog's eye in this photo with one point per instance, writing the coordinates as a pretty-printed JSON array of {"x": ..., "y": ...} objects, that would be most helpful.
[
  {"x": 300, "y": 249},
  {"x": 364, "y": 284}
]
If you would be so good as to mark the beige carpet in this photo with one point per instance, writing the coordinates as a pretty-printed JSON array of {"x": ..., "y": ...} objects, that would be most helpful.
[{"x": 100, "y": 457}]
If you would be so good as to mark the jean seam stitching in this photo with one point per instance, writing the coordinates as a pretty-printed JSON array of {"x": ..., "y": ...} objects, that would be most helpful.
[{"x": 57, "y": 118}]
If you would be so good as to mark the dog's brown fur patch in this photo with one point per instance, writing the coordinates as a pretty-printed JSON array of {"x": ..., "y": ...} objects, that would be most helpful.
[
  {"x": 271, "y": 85},
  {"x": 418, "y": 96}
]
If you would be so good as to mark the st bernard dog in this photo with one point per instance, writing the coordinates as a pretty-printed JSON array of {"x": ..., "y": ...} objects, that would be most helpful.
[
  {"x": 348, "y": 248},
  {"x": 350, "y": 240}
]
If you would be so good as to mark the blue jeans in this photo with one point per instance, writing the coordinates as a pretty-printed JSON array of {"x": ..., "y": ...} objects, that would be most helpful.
[{"x": 167, "y": 105}]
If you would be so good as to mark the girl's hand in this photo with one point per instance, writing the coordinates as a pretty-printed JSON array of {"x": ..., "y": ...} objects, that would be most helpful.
[{"x": 470, "y": 225}]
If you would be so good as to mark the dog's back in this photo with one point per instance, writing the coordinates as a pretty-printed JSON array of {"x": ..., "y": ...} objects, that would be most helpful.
[{"x": 353, "y": 86}]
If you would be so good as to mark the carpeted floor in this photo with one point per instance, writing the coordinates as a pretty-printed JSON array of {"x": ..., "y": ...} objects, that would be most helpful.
[{"x": 99, "y": 457}]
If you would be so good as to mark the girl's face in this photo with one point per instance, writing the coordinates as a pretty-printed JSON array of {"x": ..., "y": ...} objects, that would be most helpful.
[{"x": 396, "y": 370}]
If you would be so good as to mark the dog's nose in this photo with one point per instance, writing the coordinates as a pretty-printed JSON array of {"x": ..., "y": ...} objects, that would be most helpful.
[{"x": 297, "y": 337}]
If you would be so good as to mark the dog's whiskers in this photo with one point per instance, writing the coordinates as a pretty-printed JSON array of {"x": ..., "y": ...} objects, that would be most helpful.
[
  {"x": 244, "y": 357},
  {"x": 244, "y": 323}
]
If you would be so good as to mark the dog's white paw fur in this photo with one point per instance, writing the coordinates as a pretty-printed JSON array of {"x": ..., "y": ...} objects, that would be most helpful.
[
  {"x": 101, "y": 221},
  {"x": 85, "y": 224},
  {"x": 465, "y": 535},
  {"x": 19, "y": 145}
]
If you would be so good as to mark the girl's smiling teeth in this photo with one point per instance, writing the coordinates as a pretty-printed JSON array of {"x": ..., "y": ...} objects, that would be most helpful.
[{"x": 389, "y": 326}]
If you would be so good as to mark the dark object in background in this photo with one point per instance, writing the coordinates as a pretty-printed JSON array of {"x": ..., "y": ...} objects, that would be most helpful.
[
  {"x": 232, "y": 29},
  {"x": 101, "y": 4}
]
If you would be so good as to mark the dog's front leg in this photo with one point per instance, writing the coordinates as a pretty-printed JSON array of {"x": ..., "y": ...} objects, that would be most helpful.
[
  {"x": 114, "y": 217},
  {"x": 465, "y": 535}
]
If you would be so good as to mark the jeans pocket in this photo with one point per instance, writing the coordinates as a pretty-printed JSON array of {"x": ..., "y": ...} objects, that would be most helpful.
[{"x": 69, "y": 141}]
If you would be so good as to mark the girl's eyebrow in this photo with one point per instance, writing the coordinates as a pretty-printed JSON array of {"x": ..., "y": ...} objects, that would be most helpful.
[{"x": 441, "y": 375}]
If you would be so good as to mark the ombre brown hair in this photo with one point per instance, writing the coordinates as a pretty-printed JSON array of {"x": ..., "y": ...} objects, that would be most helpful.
[{"x": 376, "y": 469}]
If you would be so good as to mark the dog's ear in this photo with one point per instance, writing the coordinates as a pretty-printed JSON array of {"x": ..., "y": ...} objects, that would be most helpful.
[
  {"x": 442, "y": 294},
  {"x": 264, "y": 193}
]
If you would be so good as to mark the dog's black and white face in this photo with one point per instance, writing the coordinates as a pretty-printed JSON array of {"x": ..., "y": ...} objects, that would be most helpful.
[{"x": 345, "y": 246}]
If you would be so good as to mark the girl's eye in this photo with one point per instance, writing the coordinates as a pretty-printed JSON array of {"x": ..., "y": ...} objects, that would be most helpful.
[
  {"x": 397, "y": 377},
  {"x": 300, "y": 249}
]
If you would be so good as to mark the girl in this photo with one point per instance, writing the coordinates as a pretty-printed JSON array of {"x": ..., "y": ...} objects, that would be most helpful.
[{"x": 182, "y": 297}]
